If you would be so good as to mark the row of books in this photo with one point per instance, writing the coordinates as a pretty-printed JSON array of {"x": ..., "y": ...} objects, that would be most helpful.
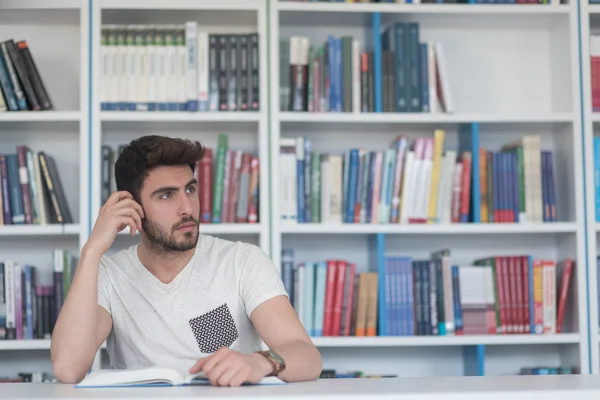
[
  {"x": 418, "y": 182},
  {"x": 29, "y": 377},
  {"x": 508, "y": 294},
  {"x": 553, "y": 2},
  {"x": 228, "y": 183},
  {"x": 21, "y": 86},
  {"x": 28, "y": 310},
  {"x": 178, "y": 68},
  {"x": 545, "y": 370},
  {"x": 338, "y": 76},
  {"x": 31, "y": 191}
]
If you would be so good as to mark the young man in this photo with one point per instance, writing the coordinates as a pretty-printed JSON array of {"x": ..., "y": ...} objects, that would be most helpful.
[{"x": 179, "y": 299}]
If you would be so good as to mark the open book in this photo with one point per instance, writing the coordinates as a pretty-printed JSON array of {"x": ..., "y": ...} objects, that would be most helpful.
[{"x": 151, "y": 376}]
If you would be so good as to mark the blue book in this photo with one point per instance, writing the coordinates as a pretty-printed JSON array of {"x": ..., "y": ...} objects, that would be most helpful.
[
  {"x": 320, "y": 281},
  {"x": 352, "y": 185},
  {"x": 14, "y": 186},
  {"x": 309, "y": 298}
]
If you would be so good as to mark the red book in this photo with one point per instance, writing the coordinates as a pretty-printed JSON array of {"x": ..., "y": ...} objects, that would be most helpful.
[
  {"x": 329, "y": 298},
  {"x": 204, "y": 176},
  {"x": 501, "y": 282},
  {"x": 525, "y": 289},
  {"x": 465, "y": 191},
  {"x": 340, "y": 279},
  {"x": 521, "y": 322},
  {"x": 565, "y": 269},
  {"x": 595, "y": 75},
  {"x": 253, "y": 193}
]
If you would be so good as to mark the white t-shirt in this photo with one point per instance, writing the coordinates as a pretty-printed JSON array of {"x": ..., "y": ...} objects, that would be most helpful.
[{"x": 207, "y": 306}]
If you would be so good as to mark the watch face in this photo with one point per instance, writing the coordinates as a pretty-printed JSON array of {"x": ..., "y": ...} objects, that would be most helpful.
[{"x": 276, "y": 357}]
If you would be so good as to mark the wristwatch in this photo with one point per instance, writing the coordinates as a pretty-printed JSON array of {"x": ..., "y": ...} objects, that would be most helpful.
[{"x": 275, "y": 360}]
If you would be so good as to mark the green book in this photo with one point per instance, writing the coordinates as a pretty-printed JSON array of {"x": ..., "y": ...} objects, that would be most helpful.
[{"x": 219, "y": 178}]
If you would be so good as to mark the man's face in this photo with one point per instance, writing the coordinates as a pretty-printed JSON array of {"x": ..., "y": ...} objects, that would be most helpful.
[{"x": 171, "y": 207}]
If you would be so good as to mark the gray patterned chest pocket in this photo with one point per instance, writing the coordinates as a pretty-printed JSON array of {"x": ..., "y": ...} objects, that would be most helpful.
[{"x": 214, "y": 330}]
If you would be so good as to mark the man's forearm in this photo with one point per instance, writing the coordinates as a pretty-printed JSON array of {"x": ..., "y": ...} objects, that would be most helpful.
[
  {"x": 75, "y": 334},
  {"x": 302, "y": 361}
]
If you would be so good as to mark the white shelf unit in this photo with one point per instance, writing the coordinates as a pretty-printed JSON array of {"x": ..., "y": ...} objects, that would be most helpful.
[
  {"x": 247, "y": 131},
  {"x": 590, "y": 25},
  {"x": 538, "y": 93},
  {"x": 61, "y": 132}
]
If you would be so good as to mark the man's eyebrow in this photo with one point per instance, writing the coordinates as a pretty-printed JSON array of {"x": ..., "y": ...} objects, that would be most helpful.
[{"x": 172, "y": 188}]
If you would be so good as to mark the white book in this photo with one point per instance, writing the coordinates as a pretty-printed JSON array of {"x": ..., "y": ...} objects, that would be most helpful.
[
  {"x": 173, "y": 69},
  {"x": 456, "y": 190},
  {"x": 407, "y": 193},
  {"x": 191, "y": 35},
  {"x": 445, "y": 96},
  {"x": 141, "y": 61},
  {"x": 121, "y": 72},
  {"x": 152, "y": 68},
  {"x": 287, "y": 163},
  {"x": 336, "y": 191},
  {"x": 104, "y": 68},
  {"x": 162, "y": 72},
  {"x": 131, "y": 71},
  {"x": 447, "y": 177},
  {"x": 434, "y": 105},
  {"x": 299, "y": 292},
  {"x": 203, "y": 70},
  {"x": 40, "y": 199},
  {"x": 325, "y": 188},
  {"x": 549, "y": 295},
  {"x": 152, "y": 376},
  {"x": 181, "y": 69},
  {"x": 9, "y": 293}
]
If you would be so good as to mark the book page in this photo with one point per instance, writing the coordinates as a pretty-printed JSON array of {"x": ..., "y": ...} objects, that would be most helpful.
[{"x": 113, "y": 377}]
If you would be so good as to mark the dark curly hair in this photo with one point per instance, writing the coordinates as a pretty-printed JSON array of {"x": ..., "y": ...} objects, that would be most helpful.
[{"x": 139, "y": 157}]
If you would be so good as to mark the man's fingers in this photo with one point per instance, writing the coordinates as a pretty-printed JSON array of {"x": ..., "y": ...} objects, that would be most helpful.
[
  {"x": 118, "y": 196},
  {"x": 227, "y": 376},
  {"x": 218, "y": 371},
  {"x": 238, "y": 380},
  {"x": 198, "y": 366},
  {"x": 127, "y": 221},
  {"x": 130, "y": 212},
  {"x": 131, "y": 204},
  {"x": 215, "y": 358}
]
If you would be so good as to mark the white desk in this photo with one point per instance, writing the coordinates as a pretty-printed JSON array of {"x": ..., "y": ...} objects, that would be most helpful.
[{"x": 556, "y": 387}]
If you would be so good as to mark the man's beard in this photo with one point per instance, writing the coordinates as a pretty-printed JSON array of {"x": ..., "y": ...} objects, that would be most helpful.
[{"x": 163, "y": 242}]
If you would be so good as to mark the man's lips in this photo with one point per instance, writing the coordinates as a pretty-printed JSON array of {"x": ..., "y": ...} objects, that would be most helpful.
[{"x": 187, "y": 226}]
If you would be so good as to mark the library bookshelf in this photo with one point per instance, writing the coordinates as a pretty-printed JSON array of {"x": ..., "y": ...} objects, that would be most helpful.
[
  {"x": 590, "y": 26},
  {"x": 61, "y": 132},
  {"x": 501, "y": 91},
  {"x": 505, "y": 92}
]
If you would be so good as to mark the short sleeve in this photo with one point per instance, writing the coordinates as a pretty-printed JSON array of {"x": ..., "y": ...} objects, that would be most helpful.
[
  {"x": 260, "y": 280},
  {"x": 104, "y": 286}
]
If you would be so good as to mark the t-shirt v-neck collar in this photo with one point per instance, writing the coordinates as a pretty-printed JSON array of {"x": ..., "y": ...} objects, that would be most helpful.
[{"x": 153, "y": 280}]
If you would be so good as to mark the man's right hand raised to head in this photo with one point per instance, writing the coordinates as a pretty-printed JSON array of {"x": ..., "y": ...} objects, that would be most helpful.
[
  {"x": 119, "y": 211},
  {"x": 83, "y": 325}
]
